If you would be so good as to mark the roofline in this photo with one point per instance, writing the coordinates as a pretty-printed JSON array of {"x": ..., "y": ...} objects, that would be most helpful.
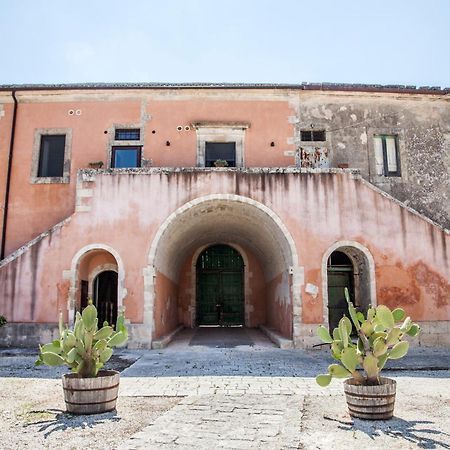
[{"x": 347, "y": 87}]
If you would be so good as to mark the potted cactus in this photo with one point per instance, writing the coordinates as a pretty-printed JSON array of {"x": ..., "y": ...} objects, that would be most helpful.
[
  {"x": 379, "y": 337},
  {"x": 85, "y": 350}
]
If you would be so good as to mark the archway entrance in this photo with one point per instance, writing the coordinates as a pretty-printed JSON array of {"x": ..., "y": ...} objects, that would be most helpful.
[
  {"x": 347, "y": 265},
  {"x": 340, "y": 276},
  {"x": 271, "y": 273},
  {"x": 105, "y": 296},
  {"x": 220, "y": 287}
]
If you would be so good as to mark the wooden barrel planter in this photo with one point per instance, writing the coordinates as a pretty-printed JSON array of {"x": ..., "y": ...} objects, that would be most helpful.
[
  {"x": 91, "y": 395},
  {"x": 370, "y": 402}
]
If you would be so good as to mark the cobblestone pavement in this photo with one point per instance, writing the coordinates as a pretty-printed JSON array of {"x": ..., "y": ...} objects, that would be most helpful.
[
  {"x": 225, "y": 421},
  {"x": 253, "y": 397}
]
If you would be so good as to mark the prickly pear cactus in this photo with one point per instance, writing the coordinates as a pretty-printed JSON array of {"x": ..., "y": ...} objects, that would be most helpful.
[
  {"x": 85, "y": 349},
  {"x": 379, "y": 338}
]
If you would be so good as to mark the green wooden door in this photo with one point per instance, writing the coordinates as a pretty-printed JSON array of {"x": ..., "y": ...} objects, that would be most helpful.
[
  {"x": 220, "y": 287},
  {"x": 337, "y": 305}
]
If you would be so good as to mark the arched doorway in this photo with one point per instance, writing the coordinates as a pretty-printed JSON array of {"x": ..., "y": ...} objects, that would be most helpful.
[
  {"x": 105, "y": 296},
  {"x": 347, "y": 264},
  {"x": 220, "y": 287},
  {"x": 340, "y": 276}
]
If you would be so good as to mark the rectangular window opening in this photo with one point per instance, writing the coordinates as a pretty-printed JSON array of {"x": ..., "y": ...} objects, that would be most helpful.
[
  {"x": 387, "y": 158},
  {"x": 313, "y": 135},
  {"x": 126, "y": 157},
  {"x": 51, "y": 156},
  {"x": 127, "y": 134},
  {"x": 220, "y": 151}
]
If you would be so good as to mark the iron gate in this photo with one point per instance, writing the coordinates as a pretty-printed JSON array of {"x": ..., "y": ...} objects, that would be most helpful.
[{"x": 220, "y": 287}]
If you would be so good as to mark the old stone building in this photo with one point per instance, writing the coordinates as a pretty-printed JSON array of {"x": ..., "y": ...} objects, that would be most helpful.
[{"x": 248, "y": 205}]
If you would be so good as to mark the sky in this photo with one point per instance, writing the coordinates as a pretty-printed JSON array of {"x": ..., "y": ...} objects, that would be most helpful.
[{"x": 248, "y": 41}]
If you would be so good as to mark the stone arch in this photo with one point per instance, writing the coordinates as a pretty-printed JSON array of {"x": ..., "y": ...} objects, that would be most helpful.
[
  {"x": 74, "y": 275},
  {"x": 364, "y": 270},
  {"x": 238, "y": 221}
]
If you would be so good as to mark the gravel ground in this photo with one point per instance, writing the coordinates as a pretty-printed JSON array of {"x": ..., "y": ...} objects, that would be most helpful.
[
  {"x": 32, "y": 417},
  {"x": 420, "y": 421}
]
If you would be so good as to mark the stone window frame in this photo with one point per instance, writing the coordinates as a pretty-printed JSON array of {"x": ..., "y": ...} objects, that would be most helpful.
[
  {"x": 38, "y": 133},
  {"x": 112, "y": 142},
  {"x": 221, "y": 132},
  {"x": 327, "y": 144},
  {"x": 399, "y": 135},
  {"x": 312, "y": 131}
]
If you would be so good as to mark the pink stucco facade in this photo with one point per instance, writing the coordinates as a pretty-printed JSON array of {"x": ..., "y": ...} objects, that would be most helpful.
[{"x": 149, "y": 224}]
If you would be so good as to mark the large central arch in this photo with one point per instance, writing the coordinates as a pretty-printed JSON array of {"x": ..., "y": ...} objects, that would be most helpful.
[{"x": 229, "y": 219}]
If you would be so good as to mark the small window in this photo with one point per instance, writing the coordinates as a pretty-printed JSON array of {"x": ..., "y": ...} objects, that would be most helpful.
[
  {"x": 128, "y": 134},
  {"x": 126, "y": 157},
  {"x": 225, "y": 151},
  {"x": 313, "y": 135},
  {"x": 387, "y": 161},
  {"x": 51, "y": 156}
]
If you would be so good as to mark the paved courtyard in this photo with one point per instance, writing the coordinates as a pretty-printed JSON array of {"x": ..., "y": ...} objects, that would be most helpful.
[{"x": 220, "y": 393}]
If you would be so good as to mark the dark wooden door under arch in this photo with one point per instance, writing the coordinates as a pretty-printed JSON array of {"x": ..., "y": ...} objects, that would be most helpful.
[
  {"x": 340, "y": 276},
  {"x": 220, "y": 287}
]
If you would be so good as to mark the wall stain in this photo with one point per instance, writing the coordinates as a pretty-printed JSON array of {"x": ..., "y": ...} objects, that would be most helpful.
[
  {"x": 436, "y": 286},
  {"x": 34, "y": 258},
  {"x": 412, "y": 285},
  {"x": 396, "y": 296},
  {"x": 444, "y": 248}
]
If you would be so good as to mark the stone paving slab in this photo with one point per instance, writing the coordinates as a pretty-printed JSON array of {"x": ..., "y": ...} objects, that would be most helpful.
[
  {"x": 185, "y": 386},
  {"x": 225, "y": 421}
]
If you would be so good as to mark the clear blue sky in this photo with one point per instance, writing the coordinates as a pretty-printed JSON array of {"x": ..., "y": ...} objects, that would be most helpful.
[{"x": 358, "y": 41}]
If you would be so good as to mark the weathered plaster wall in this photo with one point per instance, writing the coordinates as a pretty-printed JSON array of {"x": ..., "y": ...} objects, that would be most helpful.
[
  {"x": 92, "y": 118},
  {"x": 422, "y": 125},
  {"x": 318, "y": 209},
  {"x": 274, "y": 116},
  {"x": 279, "y": 305},
  {"x": 34, "y": 208},
  {"x": 166, "y": 306}
]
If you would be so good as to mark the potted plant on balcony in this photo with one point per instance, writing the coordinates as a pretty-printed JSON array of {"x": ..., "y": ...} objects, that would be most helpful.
[
  {"x": 380, "y": 336},
  {"x": 96, "y": 164},
  {"x": 220, "y": 163},
  {"x": 85, "y": 350}
]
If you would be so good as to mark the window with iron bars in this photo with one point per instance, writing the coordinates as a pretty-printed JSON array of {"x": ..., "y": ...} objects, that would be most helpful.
[
  {"x": 127, "y": 134},
  {"x": 313, "y": 135}
]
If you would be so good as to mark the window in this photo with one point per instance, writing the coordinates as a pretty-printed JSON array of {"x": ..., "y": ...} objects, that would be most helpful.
[
  {"x": 387, "y": 161},
  {"x": 220, "y": 150},
  {"x": 313, "y": 135},
  {"x": 50, "y": 161},
  {"x": 51, "y": 156},
  {"x": 127, "y": 134},
  {"x": 126, "y": 157},
  {"x": 230, "y": 137}
]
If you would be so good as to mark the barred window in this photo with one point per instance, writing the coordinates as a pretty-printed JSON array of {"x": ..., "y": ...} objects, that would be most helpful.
[
  {"x": 313, "y": 135},
  {"x": 127, "y": 134}
]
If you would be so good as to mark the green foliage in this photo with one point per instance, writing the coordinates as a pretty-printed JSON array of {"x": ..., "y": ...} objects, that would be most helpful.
[
  {"x": 85, "y": 349},
  {"x": 221, "y": 163},
  {"x": 3, "y": 320},
  {"x": 379, "y": 338}
]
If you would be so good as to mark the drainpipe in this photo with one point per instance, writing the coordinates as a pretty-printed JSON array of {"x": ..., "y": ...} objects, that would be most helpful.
[{"x": 8, "y": 176}]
